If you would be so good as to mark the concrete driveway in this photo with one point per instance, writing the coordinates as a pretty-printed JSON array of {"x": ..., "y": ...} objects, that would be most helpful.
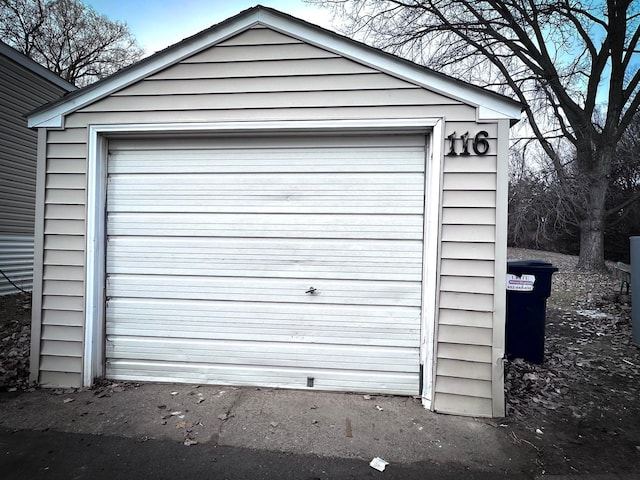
[{"x": 317, "y": 430}]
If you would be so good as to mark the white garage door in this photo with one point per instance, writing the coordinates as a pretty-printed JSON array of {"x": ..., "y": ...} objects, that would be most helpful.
[{"x": 291, "y": 261}]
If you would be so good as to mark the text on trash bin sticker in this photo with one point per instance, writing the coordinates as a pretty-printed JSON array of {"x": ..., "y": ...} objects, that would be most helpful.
[{"x": 521, "y": 284}]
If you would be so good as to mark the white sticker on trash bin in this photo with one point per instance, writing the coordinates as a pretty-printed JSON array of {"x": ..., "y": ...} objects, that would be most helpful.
[{"x": 521, "y": 284}]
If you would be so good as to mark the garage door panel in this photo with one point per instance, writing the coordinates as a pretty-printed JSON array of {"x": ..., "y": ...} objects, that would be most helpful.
[
  {"x": 377, "y": 227},
  {"x": 264, "y": 142},
  {"x": 270, "y": 161},
  {"x": 344, "y": 184},
  {"x": 213, "y": 244},
  {"x": 282, "y": 258},
  {"x": 334, "y": 193},
  {"x": 337, "y": 380},
  {"x": 275, "y": 354},
  {"x": 286, "y": 155},
  {"x": 265, "y": 290},
  {"x": 273, "y": 204},
  {"x": 347, "y": 325}
]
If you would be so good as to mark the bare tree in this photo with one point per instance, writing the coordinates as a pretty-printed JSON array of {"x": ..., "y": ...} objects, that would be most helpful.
[
  {"x": 573, "y": 63},
  {"x": 68, "y": 37}
]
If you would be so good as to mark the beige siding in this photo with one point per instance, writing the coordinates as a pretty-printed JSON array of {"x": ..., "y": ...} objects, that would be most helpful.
[
  {"x": 464, "y": 405},
  {"x": 370, "y": 81},
  {"x": 56, "y": 379},
  {"x": 470, "y": 353},
  {"x": 261, "y": 75},
  {"x": 275, "y": 114},
  {"x": 468, "y": 318},
  {"x": 21, "y": 91},
  {"x": 63, "y": 260},
  {"x": 264, "y": 101},
  {"x": 467, "y": 278},
  {"x": 264, "y": 75}
]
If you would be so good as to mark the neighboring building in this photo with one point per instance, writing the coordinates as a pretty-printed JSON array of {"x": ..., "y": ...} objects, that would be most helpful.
[
  {"x": 24, "y": 86},
  {"x": 269, "y": 203}
]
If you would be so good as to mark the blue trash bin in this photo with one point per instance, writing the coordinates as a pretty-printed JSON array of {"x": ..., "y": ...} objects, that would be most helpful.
[{"x": 528, "y": 287}]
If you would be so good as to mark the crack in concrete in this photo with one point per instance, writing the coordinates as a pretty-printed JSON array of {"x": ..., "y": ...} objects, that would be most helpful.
[{"x": 229, "y": 414}]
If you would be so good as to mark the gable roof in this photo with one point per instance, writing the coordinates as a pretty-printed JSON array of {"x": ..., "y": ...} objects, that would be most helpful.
[
  {"x": 35, "y": 67},
  {"x": 491, "y": 105}
]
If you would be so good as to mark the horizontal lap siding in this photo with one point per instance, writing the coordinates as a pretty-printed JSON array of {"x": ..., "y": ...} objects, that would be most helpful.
[
  {"x": 281, "y": 79},
  {"x": 467, "y": 283},
  {"x": 16, "y": 261},
  {"x": 64, "y": 257},
  {"x": 249, "y": 115},
  {"x": 21, "y": 91}
]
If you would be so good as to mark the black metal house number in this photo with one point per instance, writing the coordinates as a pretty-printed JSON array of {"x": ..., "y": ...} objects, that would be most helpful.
[{"x": 479, "y": 144}]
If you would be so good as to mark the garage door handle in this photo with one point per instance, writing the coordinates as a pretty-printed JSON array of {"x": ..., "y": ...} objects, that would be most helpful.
[{"x": 311, "y": 291}]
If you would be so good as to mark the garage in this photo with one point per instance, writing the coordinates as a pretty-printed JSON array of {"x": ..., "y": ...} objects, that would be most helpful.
[
  {"x": 288, "y": 261},
  {"x": 268, "y": 203}
]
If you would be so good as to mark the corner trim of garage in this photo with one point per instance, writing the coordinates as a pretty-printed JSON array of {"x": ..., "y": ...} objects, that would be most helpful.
[{"x": 433, "y": 194}]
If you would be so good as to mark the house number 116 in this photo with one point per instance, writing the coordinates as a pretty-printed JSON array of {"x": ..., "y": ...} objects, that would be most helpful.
[{"x": 480, "y": 143}]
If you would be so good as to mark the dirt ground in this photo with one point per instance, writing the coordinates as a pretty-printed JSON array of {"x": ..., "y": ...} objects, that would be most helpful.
[
  {"x": 15, "y": 341},
  {"x": 579, "y": 411}
]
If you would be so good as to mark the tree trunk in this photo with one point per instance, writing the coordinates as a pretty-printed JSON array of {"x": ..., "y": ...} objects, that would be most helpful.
[
  {"x": 592, "y": 227},
  {"x": 591, "y": 245}
]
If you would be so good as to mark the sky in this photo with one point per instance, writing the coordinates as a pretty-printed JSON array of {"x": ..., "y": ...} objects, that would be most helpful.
[{"x": 156, "y": 24}]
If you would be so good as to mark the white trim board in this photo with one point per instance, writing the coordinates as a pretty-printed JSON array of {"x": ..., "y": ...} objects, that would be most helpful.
[
  {"x": 433, "y": 200},
  {"x": 96, "y": 187}
]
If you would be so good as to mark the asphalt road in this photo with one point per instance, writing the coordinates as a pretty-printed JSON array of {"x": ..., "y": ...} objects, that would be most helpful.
[{"x": 27, "y": 454}]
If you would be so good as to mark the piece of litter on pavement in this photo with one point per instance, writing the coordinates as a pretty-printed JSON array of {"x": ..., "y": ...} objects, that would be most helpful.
[
  {"x": 68, "y": 400},
  {"x": 378, "y": 407},
  {"x": 274, "y": 424},
  {"x": 176, "y": 413},
  {"x": 189, "y": 441},
  {"x": 174, "y": 393},
  {"x": 348, "y": 428},
  {"x": 379, "y": 464},
  {"x": 539, "y": 432},
  {"x": 367, "y": 397}
]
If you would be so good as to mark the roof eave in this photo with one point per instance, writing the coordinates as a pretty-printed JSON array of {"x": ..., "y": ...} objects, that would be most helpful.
[
  {"x": 134, "y": 73},
  {"x": 491, "y": 106},
  {"x": 35, "y": 67}
]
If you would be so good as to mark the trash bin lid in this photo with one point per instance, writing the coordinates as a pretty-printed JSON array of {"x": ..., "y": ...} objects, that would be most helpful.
[
  {"x": 522, "y": 266},
  {"x": 528, "y": 263}
]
